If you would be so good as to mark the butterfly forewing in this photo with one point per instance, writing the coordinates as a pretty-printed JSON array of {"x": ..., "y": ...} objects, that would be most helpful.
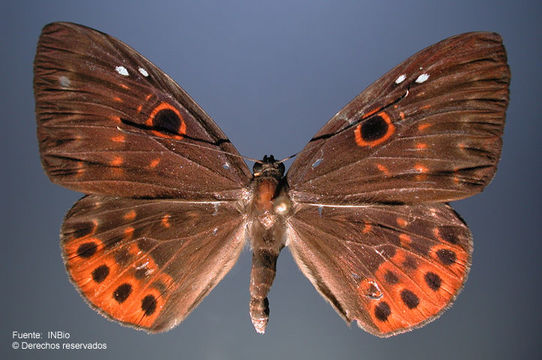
[
  {"x": 429, "y": 130},
  {"x": 389, "y": 267},
  {"x": 110, "y": 122},
  {"x": 148, "y": 263}
]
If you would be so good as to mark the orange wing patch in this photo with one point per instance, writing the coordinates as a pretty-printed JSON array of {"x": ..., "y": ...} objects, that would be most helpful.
[
  {"x": 383, "y": 169},
  {"x": 424, "y": 126},
  {"x": 415, "y": 289},
  {"x": 119, "y": 139},
  {"x": 154, "y": 163},
  {"x": 123, "y": 281},
  {"x": 401, "y": 222},
  {"x": 117, "y": 161},
  {"x": 130, "y": 215},
  {"x": 422, "y": 171},
  {"x": 165, "y": 221},
  {"x": 421, "y": 146}
]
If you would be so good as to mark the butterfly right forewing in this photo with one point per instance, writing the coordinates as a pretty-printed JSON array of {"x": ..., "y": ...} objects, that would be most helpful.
[{"x": 428, "y": 130}]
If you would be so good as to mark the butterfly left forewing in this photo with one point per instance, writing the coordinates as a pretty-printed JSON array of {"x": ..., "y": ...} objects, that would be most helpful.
[
  {"x": 390, "y": 268},
  {"x": 111, "y": 122},
  {"x": 429, "y": 130},
  {"x": 148, "y": 263}
]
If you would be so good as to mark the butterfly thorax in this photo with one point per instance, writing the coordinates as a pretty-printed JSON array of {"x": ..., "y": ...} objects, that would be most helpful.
[
  {"x": 269, "y": 190},
  {"x": 268, "y": 209}
]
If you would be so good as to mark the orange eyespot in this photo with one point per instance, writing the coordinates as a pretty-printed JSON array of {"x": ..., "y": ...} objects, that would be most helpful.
[
  {"x": 374, "y": 131},
  {"x": 166, "y": 121}
]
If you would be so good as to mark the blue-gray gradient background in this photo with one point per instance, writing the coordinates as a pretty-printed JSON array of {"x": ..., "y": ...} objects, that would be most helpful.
[{"x": 271, "y": 73}]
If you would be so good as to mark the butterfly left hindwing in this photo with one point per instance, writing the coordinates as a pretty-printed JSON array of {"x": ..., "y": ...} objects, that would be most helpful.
[{"x": 148, "y": 263}]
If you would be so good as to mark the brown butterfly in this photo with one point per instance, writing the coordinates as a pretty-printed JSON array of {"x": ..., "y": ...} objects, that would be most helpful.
[{"x": 363, "y": 208}]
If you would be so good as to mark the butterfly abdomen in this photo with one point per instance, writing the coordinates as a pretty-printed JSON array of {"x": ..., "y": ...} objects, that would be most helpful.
[{"x": 264, "y": 262}]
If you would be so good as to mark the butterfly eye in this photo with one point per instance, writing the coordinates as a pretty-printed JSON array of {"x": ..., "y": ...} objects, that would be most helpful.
[
  {"x": 257, "y": 168},
  {"x": 281, "y": 168}
]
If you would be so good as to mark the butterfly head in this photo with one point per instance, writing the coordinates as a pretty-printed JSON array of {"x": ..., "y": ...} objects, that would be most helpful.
[{"x": 269, "y": 167}]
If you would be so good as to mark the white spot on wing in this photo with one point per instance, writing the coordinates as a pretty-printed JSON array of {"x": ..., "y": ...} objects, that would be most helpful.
[
  {"x": 122, "y": 70},
  {"x": 400, "y": 79},
  {"x": 226, "y": 166},
  {"x": 64, "y": 81},
  {"x": 422, "y": 78},
  {"x": 356, "y": 276},
  {"x": 316, "y": 163},
  {"x": 142, "y": 266},
  {"x": 143, "y": 72}
]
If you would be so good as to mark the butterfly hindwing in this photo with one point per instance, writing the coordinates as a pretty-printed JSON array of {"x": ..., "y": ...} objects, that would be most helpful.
[
  {"x": 148, "y": 263},
  {"x": 429, "y": 130},
  {"x": 389, "y": 267},
  {"x": 110, "y": 122}
]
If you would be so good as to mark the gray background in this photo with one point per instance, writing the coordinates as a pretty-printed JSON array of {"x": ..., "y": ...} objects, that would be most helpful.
[{"x": 271, "y": 74}]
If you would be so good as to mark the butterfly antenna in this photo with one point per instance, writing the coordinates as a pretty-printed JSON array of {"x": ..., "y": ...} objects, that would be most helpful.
[
  {"x": 287, "y": 158},
  {"x": 126, "y": 131}
]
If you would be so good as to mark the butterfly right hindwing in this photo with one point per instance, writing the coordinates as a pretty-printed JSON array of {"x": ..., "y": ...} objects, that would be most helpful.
[{"x": 389, "y": 267}]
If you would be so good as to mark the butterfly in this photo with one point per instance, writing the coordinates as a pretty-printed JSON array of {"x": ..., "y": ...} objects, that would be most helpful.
[{"x": 363, "y": 208}]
